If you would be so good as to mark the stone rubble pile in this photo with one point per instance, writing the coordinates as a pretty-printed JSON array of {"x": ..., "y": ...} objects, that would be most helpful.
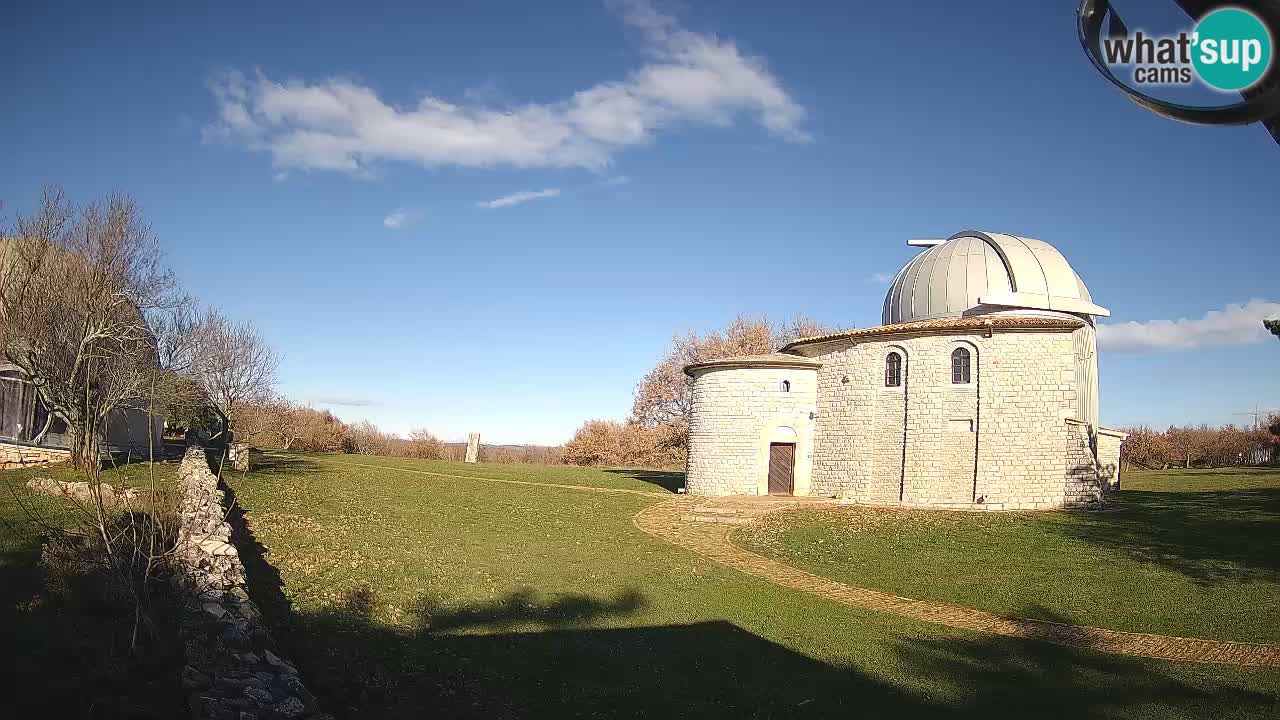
[
  {"x": 80, "y": 490},
  {"x": 232, "y": 671}
]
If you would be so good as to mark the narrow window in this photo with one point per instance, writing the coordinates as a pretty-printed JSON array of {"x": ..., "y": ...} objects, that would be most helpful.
[
  {"x": 786, "y": 386},
  {"x": 893, "y": 370},
  {"x": 960, "y": 366}
]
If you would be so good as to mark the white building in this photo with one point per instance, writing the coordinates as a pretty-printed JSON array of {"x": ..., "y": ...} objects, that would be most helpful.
[{"x": 978, "y": 391}]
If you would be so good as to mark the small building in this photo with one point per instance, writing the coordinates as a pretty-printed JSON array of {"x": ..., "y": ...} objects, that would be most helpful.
[
  {"x": 979, "y": 390},
  {"x": 31, "y": 435}
]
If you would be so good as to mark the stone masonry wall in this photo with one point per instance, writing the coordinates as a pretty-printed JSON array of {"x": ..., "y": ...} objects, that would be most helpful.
[
  {"x": 736, "y": 412},
  {"x": 1002, "y": 433},
  {"x": 16, "y": 456},
  {"x": 232, "y": 671},
  {"x": 1083, "y": 486},
  {"x": 1109, "y": 442}
]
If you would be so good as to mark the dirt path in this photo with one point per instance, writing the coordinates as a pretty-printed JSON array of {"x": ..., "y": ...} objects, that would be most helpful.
[{"x": 703, "y": 526}]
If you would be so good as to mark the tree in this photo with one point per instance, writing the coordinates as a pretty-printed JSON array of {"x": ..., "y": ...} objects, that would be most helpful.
[
  {"x": 78, "y": 287},
  {"x": 623, "y": 444},
  {"x": 232, "y": 365},
  {"x": 662, "y": 399},
  {"x": 1273, "y": 326}
]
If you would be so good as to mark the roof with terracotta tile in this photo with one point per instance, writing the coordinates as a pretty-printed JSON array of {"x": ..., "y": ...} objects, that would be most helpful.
[
  {"x": 777, "y": 359},
  {"x": 948, "y": 325}
]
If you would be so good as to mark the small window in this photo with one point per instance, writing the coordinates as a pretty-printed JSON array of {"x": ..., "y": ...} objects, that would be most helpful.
[
  {"x": 960, "y": 366},
  {"x": 786, "y": 386},
  {"x": 893, "y": 370}
]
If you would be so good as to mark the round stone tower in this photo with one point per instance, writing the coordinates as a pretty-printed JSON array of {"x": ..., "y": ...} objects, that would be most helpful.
[{"x": 751, "y": 428}]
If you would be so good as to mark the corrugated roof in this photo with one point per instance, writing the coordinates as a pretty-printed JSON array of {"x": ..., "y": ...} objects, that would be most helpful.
[{"x": 969, "y": 324}]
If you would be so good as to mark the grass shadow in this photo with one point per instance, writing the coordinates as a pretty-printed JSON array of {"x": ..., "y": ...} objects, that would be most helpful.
[
  {"x": 364, "y": 668},
  {"x": 669, "y": 480},
  {"x": 1210, "y": 537}
]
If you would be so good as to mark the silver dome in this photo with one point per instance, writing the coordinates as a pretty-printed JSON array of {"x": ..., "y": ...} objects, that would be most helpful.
[{"x": 973, "y": 273}]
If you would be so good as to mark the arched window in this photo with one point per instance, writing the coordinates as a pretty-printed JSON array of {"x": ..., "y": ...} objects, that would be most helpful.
[
  {"x": 960, "y": 366},
  {"x": 893, "y": 370},
  {"x": 786, "y": 386}
]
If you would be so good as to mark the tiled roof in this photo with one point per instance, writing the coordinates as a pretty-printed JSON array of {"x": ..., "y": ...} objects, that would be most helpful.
[
  {"x": 777, "y": 359},
  {"x": 967, "y": 324}
]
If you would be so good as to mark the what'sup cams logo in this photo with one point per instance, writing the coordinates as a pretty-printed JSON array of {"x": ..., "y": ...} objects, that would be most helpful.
[{"x": 1228, "y": 48}]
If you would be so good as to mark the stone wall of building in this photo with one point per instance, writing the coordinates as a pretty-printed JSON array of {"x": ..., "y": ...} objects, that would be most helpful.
[
  {"x": 736, "y": 413},
  {"x": 1083, "y": 485},
  {"x": 232, "y": 671},
  {"x": 993, "y": 443},
  {"x": 17, "y": 456},
  {"x": 1109, "y": 442}
]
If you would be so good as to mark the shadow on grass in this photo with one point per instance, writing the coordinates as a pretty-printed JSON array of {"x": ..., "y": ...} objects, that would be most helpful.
[
  {"x": 528, "y": 656},
  {"x": 65, "y": 645},
  {"x": 669, "y": 480},
  {"x": 1211, "y": 537}
]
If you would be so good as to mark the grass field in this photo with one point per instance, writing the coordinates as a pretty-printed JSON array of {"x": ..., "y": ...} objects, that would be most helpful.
[
  {"x": 1191, "y": 552},
  {"x": 65, "y": 653},
  {"x": 412, "y": 588}
]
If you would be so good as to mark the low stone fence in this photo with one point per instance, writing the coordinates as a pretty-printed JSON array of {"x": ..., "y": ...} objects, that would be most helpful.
[
  {"x": 232, "y": 671},
  {"x": 17, "y": 456}
]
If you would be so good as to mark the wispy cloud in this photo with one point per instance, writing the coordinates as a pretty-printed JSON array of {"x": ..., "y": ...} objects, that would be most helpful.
[
  {"x": 880, "y": 278},
  {"x": 519, "y": 198},
  {"x": 401, "y": 218},
  {"x": 340, "y": 124},
  {"x": 616, "y": 180},
  {"x": 340, "y": 401},
  {"x": 1238, "y": 324}
]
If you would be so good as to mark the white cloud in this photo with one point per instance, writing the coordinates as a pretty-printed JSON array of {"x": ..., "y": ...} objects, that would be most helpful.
[
  {"x": 518, "y": 198},
  {"x": 616, "y": 180},
  {"x": 880, "y": 278},
  {"x": 340, "y": 124},
  {"x": 401, "y": 218},
  {"x": 1237, "y": 324}
]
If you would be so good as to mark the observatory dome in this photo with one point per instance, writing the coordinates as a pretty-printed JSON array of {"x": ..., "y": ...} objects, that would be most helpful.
[{"x": 977, "y": 273}]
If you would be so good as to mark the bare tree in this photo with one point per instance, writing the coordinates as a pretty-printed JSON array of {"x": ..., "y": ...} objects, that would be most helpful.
[
  {"x": 78, "y": 289},
  {"x": 662, "y": 399},
  {"x": 91, "y": 318},
  {"x": 232, "y": 365}
]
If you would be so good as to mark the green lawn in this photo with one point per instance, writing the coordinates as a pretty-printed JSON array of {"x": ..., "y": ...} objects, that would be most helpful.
[
  {"x": 66, "y": 654},
  {"x": 1188, "y": 552},
  {"x": 405, "y": 594}
]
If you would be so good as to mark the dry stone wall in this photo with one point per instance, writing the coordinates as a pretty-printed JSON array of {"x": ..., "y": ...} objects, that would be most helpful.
[{"x": 232, "y": 671}]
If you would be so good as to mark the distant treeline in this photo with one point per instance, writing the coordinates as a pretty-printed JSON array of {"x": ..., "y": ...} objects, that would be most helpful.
[
  {"x": 1202, "y": 446},
  {"x": 288, "y": 425}
]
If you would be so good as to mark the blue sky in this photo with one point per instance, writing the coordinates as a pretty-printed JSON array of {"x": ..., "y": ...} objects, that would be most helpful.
[{"x": 493, "y": 216}]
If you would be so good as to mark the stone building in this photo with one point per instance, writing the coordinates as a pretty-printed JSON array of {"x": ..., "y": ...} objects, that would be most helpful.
[
  {"x": 32, "y": 435},
  {"x": 978, "y": 391}
]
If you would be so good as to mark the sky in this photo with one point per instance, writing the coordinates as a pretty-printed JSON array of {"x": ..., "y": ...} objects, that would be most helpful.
[{"x": 494, "y": 216}]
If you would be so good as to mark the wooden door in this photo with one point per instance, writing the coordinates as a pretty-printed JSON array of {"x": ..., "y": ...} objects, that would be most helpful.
[{"x": 782, "y": 462}]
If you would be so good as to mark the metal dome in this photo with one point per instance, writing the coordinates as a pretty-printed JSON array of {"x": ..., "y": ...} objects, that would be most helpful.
[{"x": 974, "y": 273}]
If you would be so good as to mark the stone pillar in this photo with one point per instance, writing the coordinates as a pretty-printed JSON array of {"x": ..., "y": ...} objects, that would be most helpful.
[
  {"x": 473, "y": 447},
  {"x": 239, "y": 456}
]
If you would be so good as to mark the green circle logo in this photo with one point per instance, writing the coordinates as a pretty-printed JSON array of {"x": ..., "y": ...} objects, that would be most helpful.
[{"x": 1232, "y": 49}]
